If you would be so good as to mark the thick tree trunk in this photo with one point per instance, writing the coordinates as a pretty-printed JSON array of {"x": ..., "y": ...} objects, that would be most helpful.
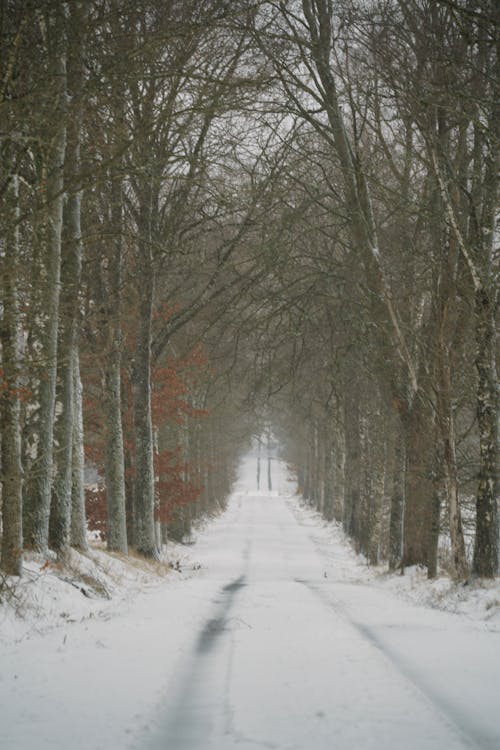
[
  {"x": 446, "y": 421},
  {"x": 37, "y": 519},
  {"x": 418, "y": 539},
  {"x": 485, "y": 561},
  {"x": 11, "y": 560},
  {"x": 71, "y": 267}
]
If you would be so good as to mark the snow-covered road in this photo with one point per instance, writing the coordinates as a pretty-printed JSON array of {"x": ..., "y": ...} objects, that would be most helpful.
[
  {"x": 271, "y": 645},
  {"x": 289, "y": 658}
]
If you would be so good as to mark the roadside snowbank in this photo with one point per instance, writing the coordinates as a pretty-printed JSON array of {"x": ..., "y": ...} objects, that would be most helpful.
[
  {"x": 98, "y": 584},
  {"x": 478, "y": 600}
]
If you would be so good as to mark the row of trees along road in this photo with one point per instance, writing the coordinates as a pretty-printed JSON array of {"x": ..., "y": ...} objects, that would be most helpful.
[{"x": 286, "y": 209}]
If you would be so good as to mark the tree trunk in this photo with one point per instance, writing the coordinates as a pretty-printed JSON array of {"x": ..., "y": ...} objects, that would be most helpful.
[
  {"x": 129, "y": 496},
  {"x": 114, "y": 457},
  {"x": 339, "y": 468},
  {"x": 446, "y": 421},
  {"x": 71, "y": 268},
  {"x": 379, "y": 464},
  {"x": 329, "y": 474},
  {"x": 37, "y": 519},
  {"x": 60, "y": 510},
  {"x": 420, "y": 488},
  {"x": 11, "y": 560},
  {"x": 485, "y": 561},
  {"x": 258, "y": 463},
  {"x": 352, "y": 466},
  {"x": 397, "y": 501},
  {"x": 143, "y": 428},
  {"x": 78, "y": 519},
  {"x": 269, "y": 474},
  {"x": 114, "y": 452}
]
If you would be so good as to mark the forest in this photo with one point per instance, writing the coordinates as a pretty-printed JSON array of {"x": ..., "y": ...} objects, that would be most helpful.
[{"x": 231, "y": 218}]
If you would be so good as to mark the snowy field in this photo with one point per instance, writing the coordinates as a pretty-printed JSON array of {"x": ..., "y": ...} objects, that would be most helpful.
[{"x": 273, "y": 634}]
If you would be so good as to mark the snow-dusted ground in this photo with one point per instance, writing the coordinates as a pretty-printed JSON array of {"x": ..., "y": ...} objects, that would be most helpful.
[{"x": 282, "y": 639}]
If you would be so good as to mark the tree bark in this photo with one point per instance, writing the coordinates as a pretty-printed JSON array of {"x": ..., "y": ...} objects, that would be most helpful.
[
  {"x": 11, "y": 560},
  {"x": 78, "y": 515},
  {"x": 37, "y": 519},
  {"x": 485, "y": 561},
  {"x": 114, "y": 451},
  {"x": 485, "y": 235},
  {"x": 339, "y": 467},
  {"x": 397, "y": 501},
  {"x": 71, "y": 268},
  {"x": 352, "y": 496},
  {"x": 145, "y": 540},
  {"x": 446, "y": 422},
  {"x": 114, "y": 458},
  {"x": 269, "y": 474},
  {"x": 420, "y": 489}
]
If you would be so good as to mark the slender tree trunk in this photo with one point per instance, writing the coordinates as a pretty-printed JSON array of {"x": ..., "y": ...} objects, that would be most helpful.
[
  {"x": 258, "y": 463},
  {"x": 269, "y": 474},
  {"x": 60, "y": 510},
  {"x": 210, "y": 458},
  {"x": 130, "y": 496},
  {"x": 366, "y": 482},
  {"x": 11, "y": 560},
  {"x": 379, "y": 463},
  {"x": 114, "y": 457},
  {"x": 397, "y": 500},
  {"x": 186, "y": 510},
  {"x": 352, "y": 465},
  {"x": 339, "y": 468},
  {"x": 329, "y": 473},
  {"x": 78, "y": 516},
  {"x": 306, "y": 491},
  {"x": 114, "y": 452},
  {"x": 434, "y": 513},
  {"x": 143, "y": 428}
]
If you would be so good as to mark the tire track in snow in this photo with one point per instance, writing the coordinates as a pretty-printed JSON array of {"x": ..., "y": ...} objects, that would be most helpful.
[
  {"x": 471, "y": 734},
  {"x": 188, "y": 720}
]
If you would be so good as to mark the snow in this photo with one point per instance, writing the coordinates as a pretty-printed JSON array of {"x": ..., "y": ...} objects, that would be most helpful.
[{"x": 274, "y": 635}]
